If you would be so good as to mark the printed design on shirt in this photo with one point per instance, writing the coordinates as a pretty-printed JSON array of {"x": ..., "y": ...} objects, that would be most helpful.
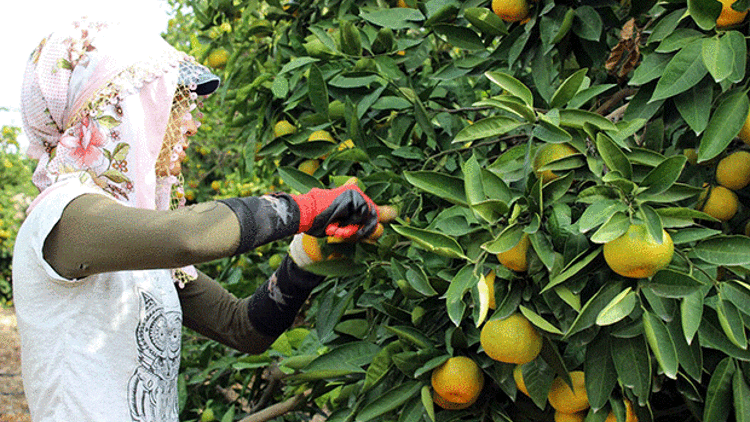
[{"x": 152, "y": 389}]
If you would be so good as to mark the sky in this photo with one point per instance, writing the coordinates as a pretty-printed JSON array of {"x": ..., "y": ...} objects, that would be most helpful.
[{"x": 26, "y": 22}]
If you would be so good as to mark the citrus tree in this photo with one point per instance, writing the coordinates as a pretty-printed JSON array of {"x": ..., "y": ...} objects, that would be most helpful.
[
  {"x": 570, "y": 178},
  {"x": 17, "y": 191}
]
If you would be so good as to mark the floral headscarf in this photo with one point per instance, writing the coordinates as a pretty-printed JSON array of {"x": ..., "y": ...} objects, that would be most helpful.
[{"x": 96, "y": 100}]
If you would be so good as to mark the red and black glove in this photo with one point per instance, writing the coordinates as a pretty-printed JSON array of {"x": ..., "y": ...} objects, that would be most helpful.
[{"x": 344, "y": 212}]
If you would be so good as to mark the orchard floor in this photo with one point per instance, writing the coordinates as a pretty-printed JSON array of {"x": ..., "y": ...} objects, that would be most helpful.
[{"x": 13, "y": 407}]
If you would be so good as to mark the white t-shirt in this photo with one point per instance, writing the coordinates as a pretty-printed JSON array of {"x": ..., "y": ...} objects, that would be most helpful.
[{"x": 102, "y": 348}]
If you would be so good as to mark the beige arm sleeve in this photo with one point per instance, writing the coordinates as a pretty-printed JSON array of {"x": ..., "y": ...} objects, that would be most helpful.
[
  {"x": 96, "y": 234},
  {"x": 212, "y": 311}
]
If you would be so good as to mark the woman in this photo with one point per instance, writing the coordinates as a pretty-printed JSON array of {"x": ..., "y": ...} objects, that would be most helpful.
[{"x": 102, "y": 273}]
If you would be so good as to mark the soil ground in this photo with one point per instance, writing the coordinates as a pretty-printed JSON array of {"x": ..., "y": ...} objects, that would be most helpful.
[{"x": 13, "y": 407}]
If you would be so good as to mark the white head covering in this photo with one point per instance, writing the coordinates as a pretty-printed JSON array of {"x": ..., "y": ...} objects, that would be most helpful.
[{"x": 96, "y": 98}]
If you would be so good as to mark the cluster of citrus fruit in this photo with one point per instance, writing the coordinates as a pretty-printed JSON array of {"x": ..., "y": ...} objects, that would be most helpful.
[{"x": 719, "y": 200}]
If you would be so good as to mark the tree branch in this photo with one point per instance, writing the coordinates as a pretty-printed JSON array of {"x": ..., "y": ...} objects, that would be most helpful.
[
  {"x": 276, "y": 410},
  {"x": 614, "y": 99}
]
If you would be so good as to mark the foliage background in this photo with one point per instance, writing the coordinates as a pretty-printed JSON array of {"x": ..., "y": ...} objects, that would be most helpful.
[
  {"x": 17, "y": 191},
  {"x": 445, "y": 107}
]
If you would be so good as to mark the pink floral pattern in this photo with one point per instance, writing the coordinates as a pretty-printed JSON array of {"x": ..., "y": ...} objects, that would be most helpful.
[{"x": 83, "y": 143}]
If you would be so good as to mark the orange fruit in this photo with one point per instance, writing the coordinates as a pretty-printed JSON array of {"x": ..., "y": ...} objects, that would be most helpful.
[
  {"x": 548, "y": 153},
  {"x": 721, "y": 204},
  {"x": 511, "y": 10},
  {"x": 636, "y": 254},
  {"x": 449, "y": 405},
  {"x": 569, "y": 417},
  {"x": 565, "y": 400},
  {"x": 511, "y": 340},
  {"x": 729, "y": 16},
  {"x": 744, "y": 134},
  {"x": 218, "y": 58},
  {"x": 458, "y": 380},
  {"x": 733, "y": 171},
  {"x": 516, "y": 257}
]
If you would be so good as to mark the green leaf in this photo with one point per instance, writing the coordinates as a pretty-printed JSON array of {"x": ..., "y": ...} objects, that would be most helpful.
[
  {"x": 317, "y": 91},
  {"x": 663, "y": 176},
  {"x": 689, "y": 356},
  {"x": 599, "y": 368},
  {"x": 725, "y": 250},
  {"x": 632, "y": 363},
  {"x": 120, "y": 152},
  {"x": 297, "y": 180},
  {"x": 724, "y": 125},
  {"x": 718, "y": 57},
  {"x": 418, "y": 280},
  {"x": 296, "y": 64},
  {"x": 464, "y": 281},
  {"x": 691, "y": 313},
  {"x": 692, "y": 234},
  {"x": 666, "y": 25},
  {"x": 439, "y": 184},
  {"x": 460, "y": 36},
  {"x": 613, "y": 157},
  {"x": 538, "y": 321},
  {"x": 568, "y": 89},
  {"x": 389, "y": 401},
  {"x": 411, "y": 335},
  {"x": 576, "y": 118},
  {"x": 572, "y": 269},
  {"x": 618, "y": 308},
  {"x": 585, "y": 95},
  {"x": 512, "y": 85},
  {"x": 507, "y": 239},
  {"x": 731, "y": 322},
  {"x": 741, "y": 393},
  {"x": 738, "y": 294},
  {"x": 682, "y": 72},
  {"x": 653, "y": 222},
  {"x": 343, "y": 267},
  {"x": 350, "y": 356},
  {"x": 704, "y": 12},
  {"x": 694, "y": 105},
  {"x": 672, "y": 284},
  {"x": 485, "y": 20},
  {"x": 488, "y": 127},
  {"x": 677, "y": 40},
  {"x": 614, "y": 227},
  {"x": 737, "y": 43},
  {"x": 510, "y": 103},
  {"x": 651, "y": 67},
  {"x": 427, "y": 403},
  {"x": 598, "y": 213},
  {"x": 588, "y": 23},
  {"x": 587, "y": 317},
  {"x": 712, "y": 336},
  {"x": 432, "y": 241},
  {"x": 396, "y": 18},
  {"x": 661, "y": 344},
  {"x": 719, "y": 393}
]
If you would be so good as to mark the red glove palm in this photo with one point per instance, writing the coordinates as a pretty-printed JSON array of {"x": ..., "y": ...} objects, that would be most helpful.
[{"x": 344, "y": 212}]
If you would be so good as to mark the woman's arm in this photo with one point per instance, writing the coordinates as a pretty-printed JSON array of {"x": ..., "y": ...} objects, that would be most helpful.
[{"x": 97, "y": 234}]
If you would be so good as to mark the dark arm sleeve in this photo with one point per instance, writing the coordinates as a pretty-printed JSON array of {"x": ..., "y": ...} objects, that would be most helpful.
[
  {"x": 252, "y": 324},
  {"x": 209, "y": 309}
]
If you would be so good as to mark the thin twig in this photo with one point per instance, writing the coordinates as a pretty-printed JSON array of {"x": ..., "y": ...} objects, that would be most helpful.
[
  {"x": 614, "y": 99},
  {"x": 275, "y": 375},
  {"x": 276, "y": 410}
]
